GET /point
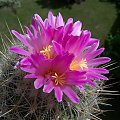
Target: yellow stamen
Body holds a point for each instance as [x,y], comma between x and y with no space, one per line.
[74,65]
[46,51]
[58,79]
[83,64]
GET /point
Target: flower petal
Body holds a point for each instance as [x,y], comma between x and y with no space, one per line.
[99,70]
[25,62]
[61,63]
[28,69]
[30,76]
[96,76]
[77,28]
[59,21]
[21,37]
[71,94]
[94,54]
[19,51]
[75,77]
[92,83]
[93,47]
[25,65]
[51,19]
[38,18]
[38,61]
[58,93]
[92,41]
[99,61]
[69,21]
[48,87]
[38,83]
[57,47]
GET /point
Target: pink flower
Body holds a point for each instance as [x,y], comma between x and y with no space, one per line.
[55,75]
[47,35]
[61,56]
[40,40]
[86,56]
[44,32]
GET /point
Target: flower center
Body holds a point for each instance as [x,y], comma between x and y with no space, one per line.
[58,79]
[46,51]
[75,64]
[83,64]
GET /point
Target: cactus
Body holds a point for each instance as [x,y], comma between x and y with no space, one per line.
[19,100]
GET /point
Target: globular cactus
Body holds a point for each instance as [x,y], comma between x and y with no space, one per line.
[19,100]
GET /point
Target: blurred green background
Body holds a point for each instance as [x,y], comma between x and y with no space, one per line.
[101,17]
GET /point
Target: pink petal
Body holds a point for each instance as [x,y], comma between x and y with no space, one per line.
[81,88]
[58,34]
[35,31]
[77,28]
[48,87]
[57,47]
[33,40]
[91,55]
[34,23]
[66,34]
[38,18]
[58,93]
[25,65]
[38,83]
[19,51]
[40,22]
[21,37]
[99,61]
[77,44]
[39,61]
[30,76]
[99,70]
[29,32]
[92,41]
[69,21]
[76,82]
[67,29]
[72,44]
[46,23]
[84,37]
[51,19]
[75,78]
[97,52]
[71,95]
[93,47]
[25,62]
[91,83]
[28,69]
[59,21]
[61,63]
[96,76]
